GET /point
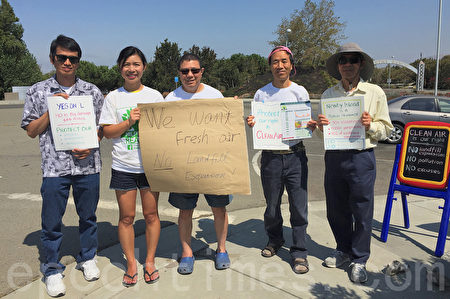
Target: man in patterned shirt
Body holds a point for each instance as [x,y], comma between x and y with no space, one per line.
[79,168]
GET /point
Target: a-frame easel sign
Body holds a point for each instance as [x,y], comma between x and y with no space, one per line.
[422,167]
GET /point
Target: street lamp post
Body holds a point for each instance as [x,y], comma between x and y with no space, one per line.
[287,35]
[438,48]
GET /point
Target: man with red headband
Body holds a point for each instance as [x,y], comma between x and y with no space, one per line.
[285,168]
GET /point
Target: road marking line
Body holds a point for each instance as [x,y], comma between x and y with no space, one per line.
[255,163]
[108,205]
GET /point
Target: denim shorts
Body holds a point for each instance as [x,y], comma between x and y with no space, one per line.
[188,201]
[126,181]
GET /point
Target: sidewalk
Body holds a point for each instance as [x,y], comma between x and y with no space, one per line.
[253,276]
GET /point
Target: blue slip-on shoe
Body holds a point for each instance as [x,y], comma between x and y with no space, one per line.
[222,260]
[186,265]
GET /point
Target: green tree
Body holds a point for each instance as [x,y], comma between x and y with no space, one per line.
[18,65]
[111,79]
[444,72]
[239,69]
[161,72]
[315,33]
[88,71]
[106,79]
[227,73]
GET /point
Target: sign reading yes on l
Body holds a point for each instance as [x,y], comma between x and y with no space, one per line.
[195,146]
[72,122]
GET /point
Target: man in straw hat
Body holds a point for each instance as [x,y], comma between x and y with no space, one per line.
[350,174]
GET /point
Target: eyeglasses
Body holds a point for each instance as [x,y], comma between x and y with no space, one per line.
[186,71]
[63,58]
[351,59]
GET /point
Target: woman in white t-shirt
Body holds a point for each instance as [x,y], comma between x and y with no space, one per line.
[119,119]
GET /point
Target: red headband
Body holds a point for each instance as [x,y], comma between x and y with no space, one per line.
[280,48]
[283,48]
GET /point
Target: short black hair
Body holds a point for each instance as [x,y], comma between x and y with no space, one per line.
[189,57]
[65,42]
[127,52]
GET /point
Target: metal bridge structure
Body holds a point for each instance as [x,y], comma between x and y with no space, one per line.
[420,72]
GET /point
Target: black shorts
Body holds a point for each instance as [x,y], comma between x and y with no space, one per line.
[125,181]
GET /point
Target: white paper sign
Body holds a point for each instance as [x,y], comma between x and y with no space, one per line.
[267,132]
[294,120]
[345,130]
[72,122]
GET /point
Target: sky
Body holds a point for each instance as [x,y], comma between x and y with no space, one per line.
[383,28]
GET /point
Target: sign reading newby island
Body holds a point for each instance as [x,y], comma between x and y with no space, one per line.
[345,130]
[195,146]
[72,122]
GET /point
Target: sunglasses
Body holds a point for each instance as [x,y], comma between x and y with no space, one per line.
[351,59]
[186,71]
[63,58]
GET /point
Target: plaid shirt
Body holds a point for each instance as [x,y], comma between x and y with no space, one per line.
[60,163]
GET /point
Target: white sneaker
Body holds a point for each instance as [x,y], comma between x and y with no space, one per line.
[55,285]
[337,259]
[90,269]
[359,273]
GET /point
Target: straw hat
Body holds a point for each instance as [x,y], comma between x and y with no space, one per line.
[332,62]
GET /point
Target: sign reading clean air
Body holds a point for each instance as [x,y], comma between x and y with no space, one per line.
[425,153]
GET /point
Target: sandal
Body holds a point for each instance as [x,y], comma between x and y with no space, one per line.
[133,280]
[149,275]
[222,260]
[186,265]
[271,249]
[300,265]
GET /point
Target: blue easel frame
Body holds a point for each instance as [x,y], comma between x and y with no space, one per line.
[405,191]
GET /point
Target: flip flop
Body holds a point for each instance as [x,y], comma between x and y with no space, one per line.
[222,260]
[129,284]
[150,280]
[186,265]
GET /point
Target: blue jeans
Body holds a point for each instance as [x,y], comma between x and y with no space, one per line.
[55,192]
[291,171]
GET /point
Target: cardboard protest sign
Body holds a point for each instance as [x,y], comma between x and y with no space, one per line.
[72,122]
[195,146]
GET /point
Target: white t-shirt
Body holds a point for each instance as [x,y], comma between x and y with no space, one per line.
[207,92]
[126,153]
[292,93]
